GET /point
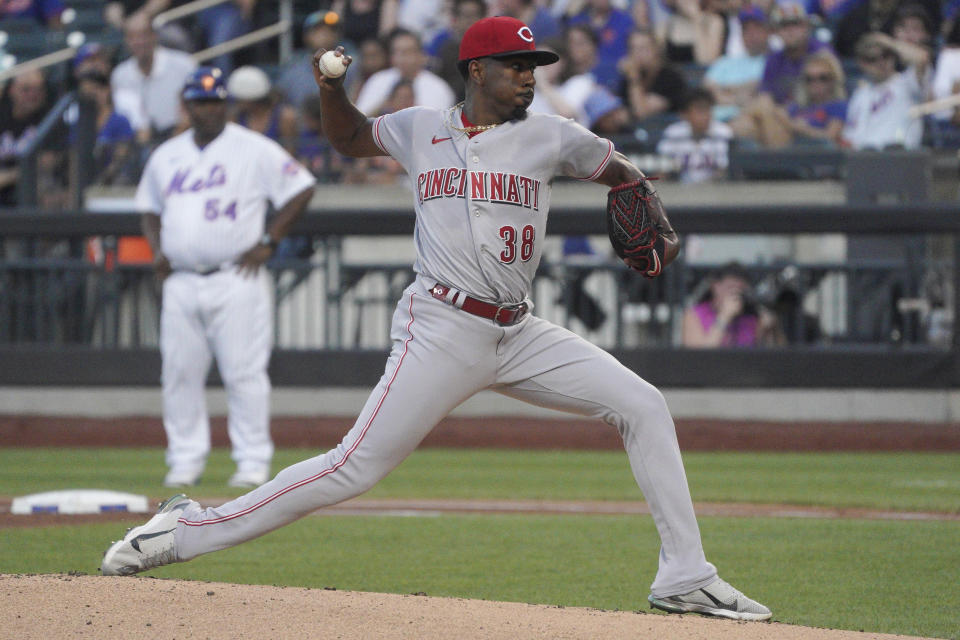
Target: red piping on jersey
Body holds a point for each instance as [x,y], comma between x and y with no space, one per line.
[342,461]
[603,164]
[376,133]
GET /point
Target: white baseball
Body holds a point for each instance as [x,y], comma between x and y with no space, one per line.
[331,65]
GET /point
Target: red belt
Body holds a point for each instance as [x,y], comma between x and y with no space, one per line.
[504,315]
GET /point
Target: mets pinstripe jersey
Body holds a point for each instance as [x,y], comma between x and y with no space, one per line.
[213,201]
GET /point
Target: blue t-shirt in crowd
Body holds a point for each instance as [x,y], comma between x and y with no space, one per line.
[818,115]
[116,129]
[613,37]
[40,10]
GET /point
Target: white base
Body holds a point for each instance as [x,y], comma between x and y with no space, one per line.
[79,501]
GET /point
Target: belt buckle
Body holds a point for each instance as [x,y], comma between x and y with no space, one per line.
[515,310]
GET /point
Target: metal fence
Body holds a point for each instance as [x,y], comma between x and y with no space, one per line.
[336,297]
[325,304]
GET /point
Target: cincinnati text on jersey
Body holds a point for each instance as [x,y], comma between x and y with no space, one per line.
[485,186]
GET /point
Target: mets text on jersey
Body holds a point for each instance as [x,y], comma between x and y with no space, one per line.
[485,186]
[179,184]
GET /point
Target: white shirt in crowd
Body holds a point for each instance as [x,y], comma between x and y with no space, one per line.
[152,100]
[429,90]
[734,47]
[878,114]
[575,91]
[423,17]
[697,159]
[947,74]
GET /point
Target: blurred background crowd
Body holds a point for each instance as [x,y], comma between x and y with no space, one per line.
[681,80]
[685,88]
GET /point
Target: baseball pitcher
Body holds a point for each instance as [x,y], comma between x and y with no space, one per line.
[481,174]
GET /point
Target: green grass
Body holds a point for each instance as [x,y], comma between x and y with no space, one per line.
[902,481]
[881,576]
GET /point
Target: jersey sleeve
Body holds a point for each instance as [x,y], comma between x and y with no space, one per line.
[282,176]
[149,196]
[583,154]
[393,133]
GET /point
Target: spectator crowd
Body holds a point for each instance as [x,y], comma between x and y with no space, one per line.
[688,79]
[682,81]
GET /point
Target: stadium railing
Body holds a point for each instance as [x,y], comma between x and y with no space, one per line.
[65,318]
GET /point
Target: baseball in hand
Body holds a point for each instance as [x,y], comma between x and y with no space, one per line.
[331,65]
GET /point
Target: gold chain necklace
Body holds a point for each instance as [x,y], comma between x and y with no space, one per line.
[471,129]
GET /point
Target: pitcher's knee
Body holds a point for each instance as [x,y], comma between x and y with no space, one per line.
[643,407]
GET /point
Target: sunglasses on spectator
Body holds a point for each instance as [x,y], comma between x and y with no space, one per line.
[821,77]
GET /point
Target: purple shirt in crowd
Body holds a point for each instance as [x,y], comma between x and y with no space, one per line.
[741,332]
[781,73]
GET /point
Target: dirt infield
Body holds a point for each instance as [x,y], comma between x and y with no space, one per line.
[508,432]
[130,608]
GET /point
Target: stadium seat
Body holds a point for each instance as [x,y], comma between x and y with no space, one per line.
[20,25]
[649,130]
[851,70]
[26,39]
[940,134]
[693,73]
[88,19]
[25,46]
[800,162]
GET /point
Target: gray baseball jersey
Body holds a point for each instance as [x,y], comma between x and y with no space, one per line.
[482,201]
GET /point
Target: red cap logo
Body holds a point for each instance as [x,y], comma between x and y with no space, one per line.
[501,36]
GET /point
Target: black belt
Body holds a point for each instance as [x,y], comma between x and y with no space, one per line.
[505,315]
[205,272]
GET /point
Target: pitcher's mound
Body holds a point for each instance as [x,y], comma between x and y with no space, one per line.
[62,606]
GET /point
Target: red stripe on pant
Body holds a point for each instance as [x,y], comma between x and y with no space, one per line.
[336,466]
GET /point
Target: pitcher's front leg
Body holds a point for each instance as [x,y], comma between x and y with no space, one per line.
[421,384]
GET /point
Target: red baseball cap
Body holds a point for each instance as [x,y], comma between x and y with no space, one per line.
[499,37]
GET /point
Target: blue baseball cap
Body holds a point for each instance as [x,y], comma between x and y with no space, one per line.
[205,83]
[87,51]
[600,103]
[752,12]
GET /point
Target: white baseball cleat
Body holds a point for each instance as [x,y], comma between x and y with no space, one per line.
[248,479]
[149,545]
[716,599]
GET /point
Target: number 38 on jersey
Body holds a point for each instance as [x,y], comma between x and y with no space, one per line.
[517,242]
